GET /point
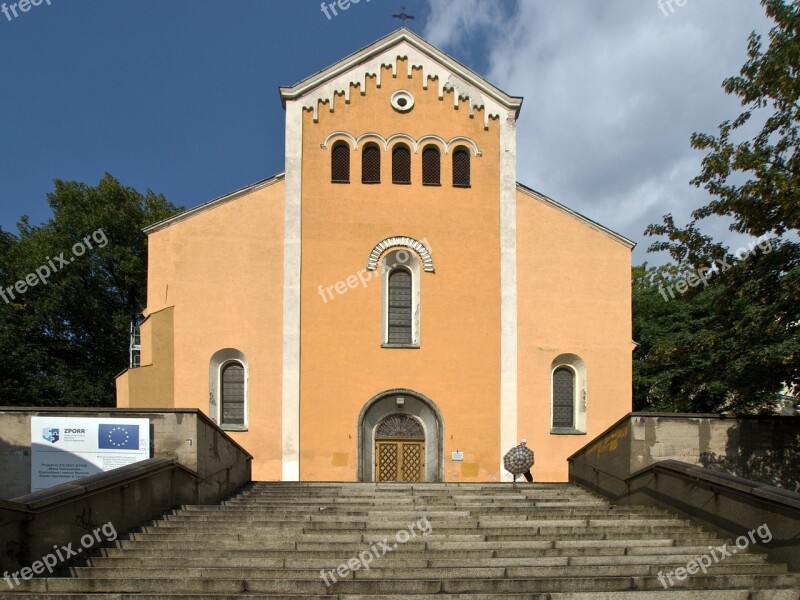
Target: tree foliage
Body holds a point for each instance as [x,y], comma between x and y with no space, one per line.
[735,344]
[764,197]
[65,337]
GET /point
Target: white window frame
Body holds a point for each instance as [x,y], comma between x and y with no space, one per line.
[219,361]
[401,258]
[575,364]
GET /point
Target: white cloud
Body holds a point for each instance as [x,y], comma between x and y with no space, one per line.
[452,24]
[613,90]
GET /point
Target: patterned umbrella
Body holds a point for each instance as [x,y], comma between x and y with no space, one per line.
[518,460]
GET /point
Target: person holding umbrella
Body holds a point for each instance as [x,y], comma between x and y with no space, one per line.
[519,460]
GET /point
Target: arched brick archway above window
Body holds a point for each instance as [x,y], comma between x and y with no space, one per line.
[401,242]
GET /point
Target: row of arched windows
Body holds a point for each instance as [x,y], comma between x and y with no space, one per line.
[401,164]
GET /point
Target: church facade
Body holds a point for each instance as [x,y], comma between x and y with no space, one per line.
[395,306]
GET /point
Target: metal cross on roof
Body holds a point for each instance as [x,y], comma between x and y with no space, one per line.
[403,16]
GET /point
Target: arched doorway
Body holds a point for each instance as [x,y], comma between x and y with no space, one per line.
[405,423]
[399,449]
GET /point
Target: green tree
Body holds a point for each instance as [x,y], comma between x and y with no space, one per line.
[755,182]
[670,327]
[64,341]
[712,348]
[749,341]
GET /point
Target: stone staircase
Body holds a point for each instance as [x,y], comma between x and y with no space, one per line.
[467,541]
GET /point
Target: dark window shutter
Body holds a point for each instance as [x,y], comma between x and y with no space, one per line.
[400,303]
[371,164]
[340,163]
[401,164]
[461,174]
[563,398]
[233,394]
[431,166]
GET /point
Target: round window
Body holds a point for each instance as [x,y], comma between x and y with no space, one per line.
[402,100]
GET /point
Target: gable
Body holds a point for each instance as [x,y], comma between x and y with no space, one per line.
[438,70]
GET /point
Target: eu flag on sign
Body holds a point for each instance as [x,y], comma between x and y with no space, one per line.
[118,437]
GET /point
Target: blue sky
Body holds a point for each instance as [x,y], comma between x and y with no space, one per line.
[181,96]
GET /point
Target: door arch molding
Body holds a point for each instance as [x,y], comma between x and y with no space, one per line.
[385,404]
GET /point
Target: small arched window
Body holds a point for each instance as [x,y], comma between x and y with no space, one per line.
[399,427]
[461,169]
[340,163]
[401,164]
[371,164]
[400,314]
[564,398]
[431,166]
[232,395]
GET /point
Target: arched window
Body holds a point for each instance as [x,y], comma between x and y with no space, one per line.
[400,297]
[340,163]
[461,170]
[569,395]
[227,389]
[431,166]
[399,426]
[401,164]
[232,394]
[564,398]
[400,307]
[371,164]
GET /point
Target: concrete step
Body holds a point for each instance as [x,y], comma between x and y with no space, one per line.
[433,517]
[406,586]
[432,541]
[437,516]
[199,512]
[439,526]
[766,594]
[346,551]
[335,512]
[382,571]
[400,561]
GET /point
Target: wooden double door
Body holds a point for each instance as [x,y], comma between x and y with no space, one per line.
[399,460]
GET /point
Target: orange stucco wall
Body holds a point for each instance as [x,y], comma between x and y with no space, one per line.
[222,271]
[342,362]
[151,386]
[574,297]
